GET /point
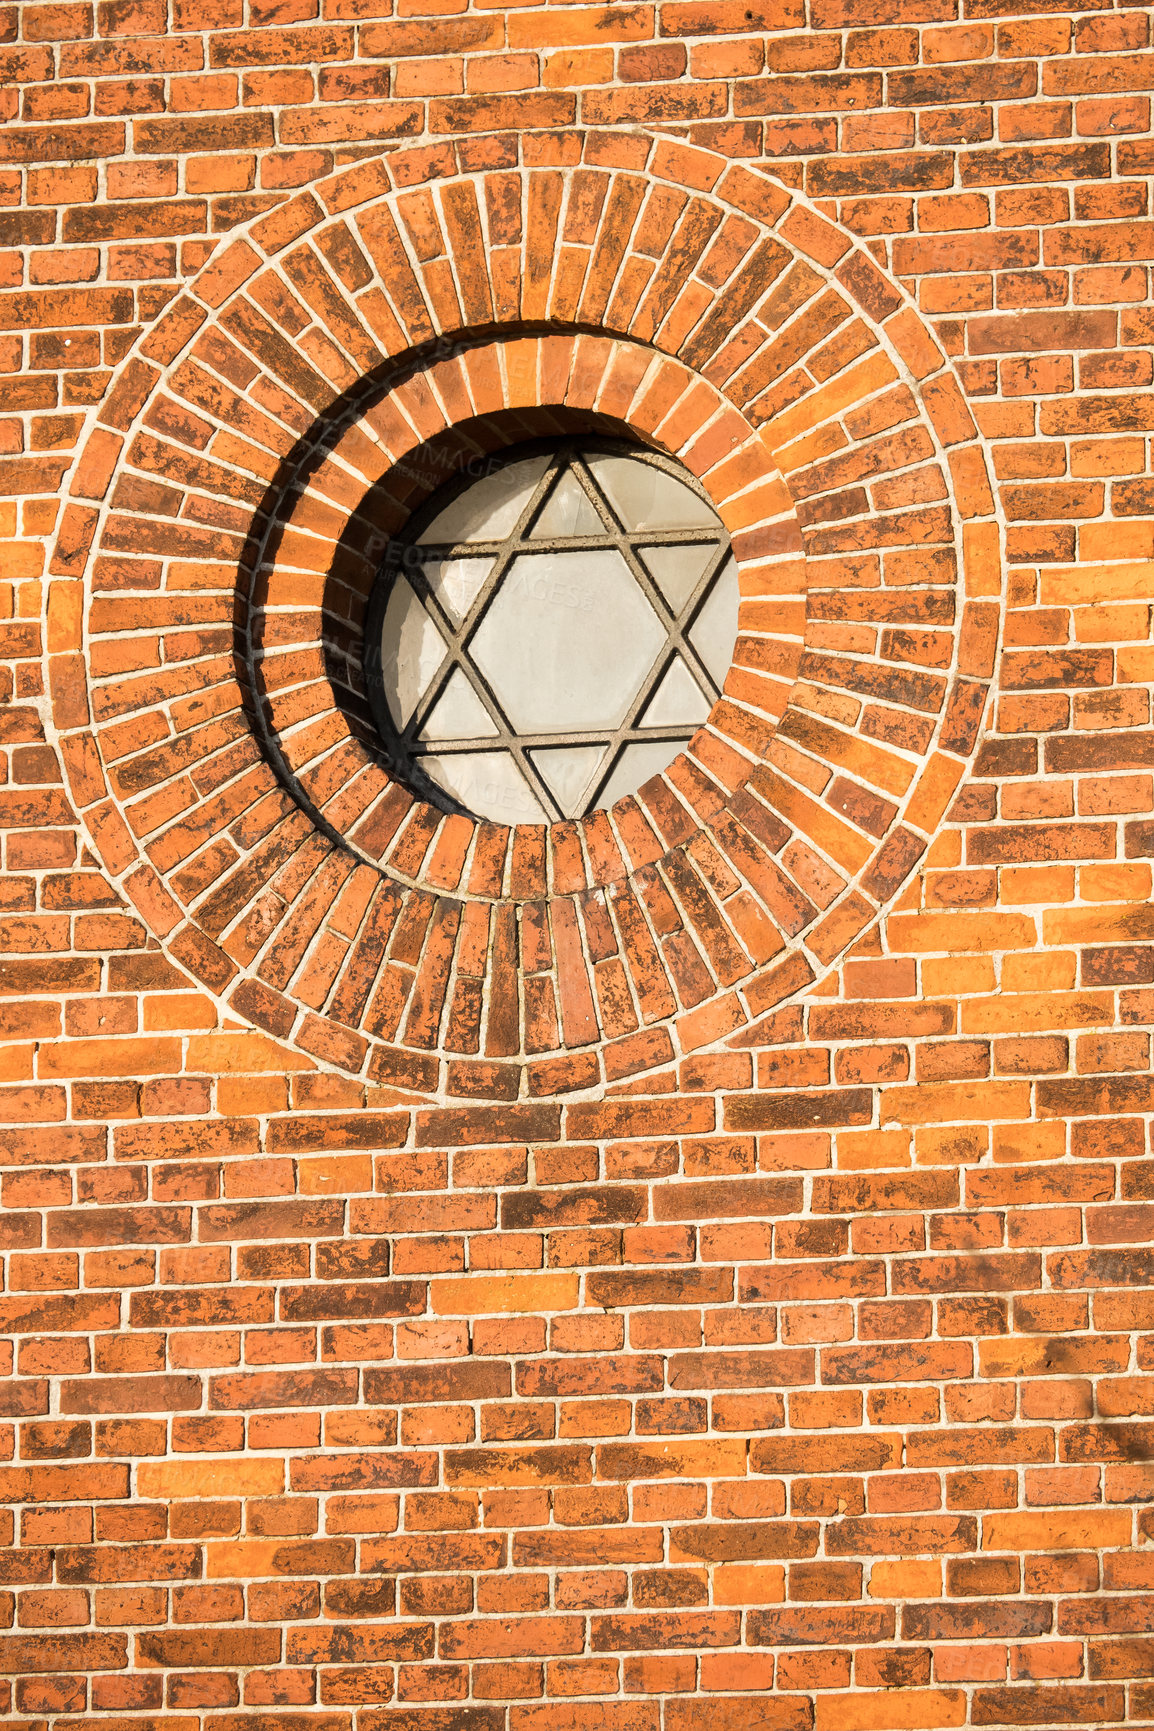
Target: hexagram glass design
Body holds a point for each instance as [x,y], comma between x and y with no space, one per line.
[546,636]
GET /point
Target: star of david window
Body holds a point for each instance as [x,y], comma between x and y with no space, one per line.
[547,634]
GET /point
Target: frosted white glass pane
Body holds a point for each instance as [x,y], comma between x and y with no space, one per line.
[714,630]
[635,765]
[567,641]
[678,699]
[456,583]
[567,511]
[488,508]
[412,649]
[458,713]
[677,570]
[487,783]
[645,497]
[567,773]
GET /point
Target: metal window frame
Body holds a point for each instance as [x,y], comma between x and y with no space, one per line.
[406,556]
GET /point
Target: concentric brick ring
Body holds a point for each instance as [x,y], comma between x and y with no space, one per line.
[321,553]
[228,511]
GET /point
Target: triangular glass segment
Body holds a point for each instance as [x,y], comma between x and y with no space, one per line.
[646,497]
[567,772]
[714,631]
[488,508]
[678,700]
[487,783]
[567,511]
[635,765]
[456,583]
[412,649]
[678,570]
[458,713]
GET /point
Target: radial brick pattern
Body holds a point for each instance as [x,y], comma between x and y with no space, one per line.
[744,336]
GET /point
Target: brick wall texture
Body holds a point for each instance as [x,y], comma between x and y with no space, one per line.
[684,1269]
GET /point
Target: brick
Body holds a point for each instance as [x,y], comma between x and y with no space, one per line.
[198,1478]
[484,1295]
[913,1707]
[42,1652]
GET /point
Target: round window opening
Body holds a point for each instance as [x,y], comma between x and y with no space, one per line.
[550,629]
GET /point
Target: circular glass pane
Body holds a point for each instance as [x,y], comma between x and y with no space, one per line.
[548,634]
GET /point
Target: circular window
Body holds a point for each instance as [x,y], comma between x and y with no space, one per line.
[548,632]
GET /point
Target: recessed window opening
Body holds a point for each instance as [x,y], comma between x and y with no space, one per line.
[550,630]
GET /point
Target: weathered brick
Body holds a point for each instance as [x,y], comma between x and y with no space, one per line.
[435,1174]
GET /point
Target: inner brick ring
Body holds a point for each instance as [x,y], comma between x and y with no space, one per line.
[322,552]
[235,795]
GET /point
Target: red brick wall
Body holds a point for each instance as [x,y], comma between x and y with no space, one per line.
[681,1269]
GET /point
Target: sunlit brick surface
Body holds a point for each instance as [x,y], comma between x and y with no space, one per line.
[684,1268]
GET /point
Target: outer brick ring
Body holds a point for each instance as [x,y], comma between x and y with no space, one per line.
[226,516]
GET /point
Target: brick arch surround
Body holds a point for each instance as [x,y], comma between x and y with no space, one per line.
[232,500]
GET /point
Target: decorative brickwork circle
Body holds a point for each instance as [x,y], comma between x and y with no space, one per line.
[281,420]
